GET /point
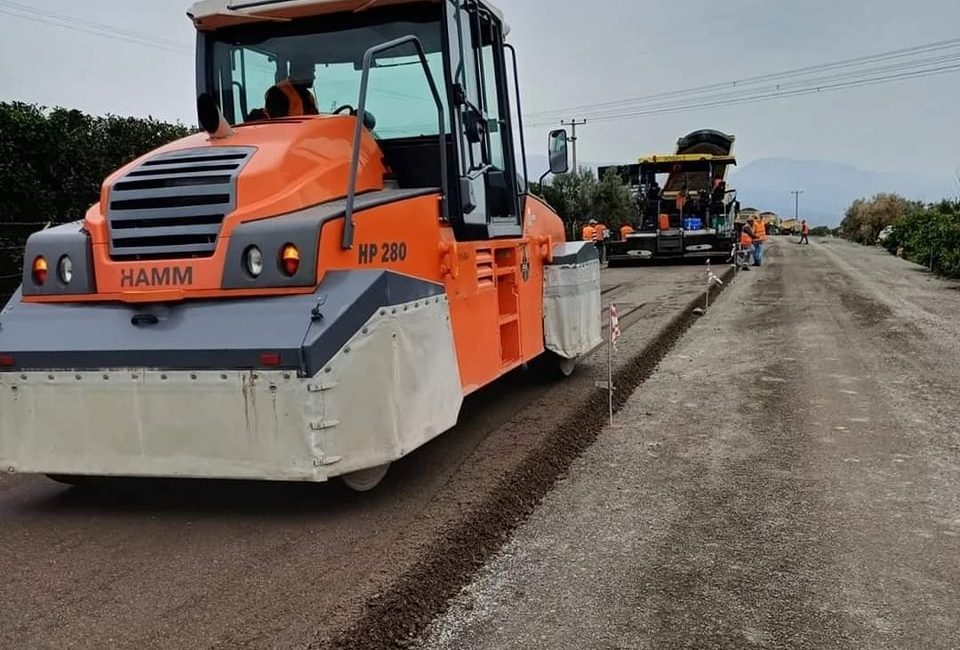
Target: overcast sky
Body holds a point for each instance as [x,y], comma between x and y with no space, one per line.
[572,53]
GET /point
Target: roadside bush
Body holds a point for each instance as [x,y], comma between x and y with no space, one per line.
[52,163]
[865,218]
[930,235]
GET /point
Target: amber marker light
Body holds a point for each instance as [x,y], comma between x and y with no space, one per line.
[290,260]
[40,270]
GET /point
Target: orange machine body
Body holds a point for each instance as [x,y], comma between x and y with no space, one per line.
[494,287]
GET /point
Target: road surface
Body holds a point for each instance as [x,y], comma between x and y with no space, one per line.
[223,565]
[788,478]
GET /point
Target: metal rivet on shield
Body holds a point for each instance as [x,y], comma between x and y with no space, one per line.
[193,377]
[366,330]
[163,377]
[79,378]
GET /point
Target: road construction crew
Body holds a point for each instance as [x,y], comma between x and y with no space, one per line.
[293,97]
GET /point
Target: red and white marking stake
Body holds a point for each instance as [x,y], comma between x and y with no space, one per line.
[614,335]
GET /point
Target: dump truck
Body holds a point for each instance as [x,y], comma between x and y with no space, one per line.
[310,286]
[685,209]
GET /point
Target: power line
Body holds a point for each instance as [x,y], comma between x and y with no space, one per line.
[785,89]
[812,88]
[91,27]
[890,55]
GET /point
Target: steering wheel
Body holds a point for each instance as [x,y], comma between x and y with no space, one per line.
[369,120]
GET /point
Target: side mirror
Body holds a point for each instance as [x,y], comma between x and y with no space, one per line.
[559,158]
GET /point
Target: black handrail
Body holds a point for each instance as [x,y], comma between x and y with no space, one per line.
[523,141]
[358,132]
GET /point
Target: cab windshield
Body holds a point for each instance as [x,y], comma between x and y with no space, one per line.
[257,71]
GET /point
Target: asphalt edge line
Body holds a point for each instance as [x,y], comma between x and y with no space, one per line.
[399,616]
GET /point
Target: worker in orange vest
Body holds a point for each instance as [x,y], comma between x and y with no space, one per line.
[590,231]
[804,233]
[625,231]
[292,97]
[759,239]
[747,240]
[600,237]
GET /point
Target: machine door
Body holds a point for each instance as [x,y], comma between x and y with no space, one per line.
[488,205]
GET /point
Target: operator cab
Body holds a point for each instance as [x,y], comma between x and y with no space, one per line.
[249,49]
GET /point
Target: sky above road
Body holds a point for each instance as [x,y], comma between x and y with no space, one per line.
[574,53]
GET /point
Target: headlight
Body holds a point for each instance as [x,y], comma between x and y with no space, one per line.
[253,260]
[65,269]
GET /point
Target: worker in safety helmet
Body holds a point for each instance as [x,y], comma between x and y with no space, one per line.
[293,97]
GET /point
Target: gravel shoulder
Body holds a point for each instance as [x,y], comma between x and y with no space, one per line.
[788,478]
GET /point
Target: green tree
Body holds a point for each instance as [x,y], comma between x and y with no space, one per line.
[930,235]
[52,164]
[612,202]
[571,195]
[865,218]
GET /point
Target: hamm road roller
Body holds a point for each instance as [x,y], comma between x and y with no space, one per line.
[309,286]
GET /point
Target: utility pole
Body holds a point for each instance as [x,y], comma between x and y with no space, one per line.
[573,138]
[796,209]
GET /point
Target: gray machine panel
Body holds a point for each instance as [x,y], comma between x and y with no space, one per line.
[173,204]
[301,229]
[70,239]
[306,330]
[577,252]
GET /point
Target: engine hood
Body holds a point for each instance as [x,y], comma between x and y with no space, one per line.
[292,164]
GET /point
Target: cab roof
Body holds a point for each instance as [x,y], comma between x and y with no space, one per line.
[209,15]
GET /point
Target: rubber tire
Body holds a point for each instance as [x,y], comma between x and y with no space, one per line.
[365,480]
[561,367]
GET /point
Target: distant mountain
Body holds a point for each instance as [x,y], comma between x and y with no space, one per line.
[828,187]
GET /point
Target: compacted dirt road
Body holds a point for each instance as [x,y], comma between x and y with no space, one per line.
[223,565]
[788,478]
